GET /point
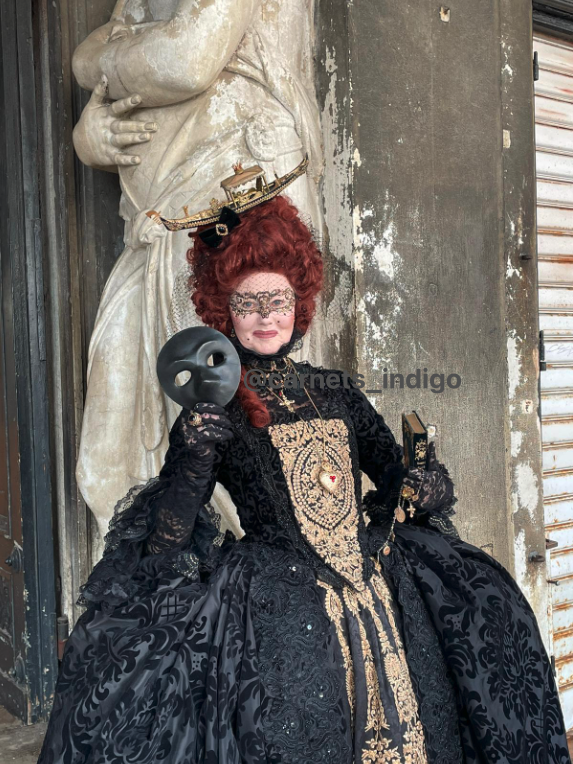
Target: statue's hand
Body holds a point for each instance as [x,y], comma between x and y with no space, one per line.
[104,132]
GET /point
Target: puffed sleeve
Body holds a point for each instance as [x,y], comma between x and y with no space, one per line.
[380,455]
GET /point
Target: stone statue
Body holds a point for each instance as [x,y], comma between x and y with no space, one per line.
[182,90]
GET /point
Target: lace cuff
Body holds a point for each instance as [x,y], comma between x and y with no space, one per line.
[125,571]
[439,517]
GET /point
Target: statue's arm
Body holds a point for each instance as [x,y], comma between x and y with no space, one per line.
[106,134]
[169,61]
[88,53]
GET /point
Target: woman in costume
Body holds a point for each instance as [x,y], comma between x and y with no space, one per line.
[338,629]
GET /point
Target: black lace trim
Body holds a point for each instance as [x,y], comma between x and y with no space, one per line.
[440,517]
[125,571]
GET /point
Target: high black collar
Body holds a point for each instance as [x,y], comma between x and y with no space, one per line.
[263,361]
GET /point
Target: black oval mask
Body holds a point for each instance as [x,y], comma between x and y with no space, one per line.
[190,350]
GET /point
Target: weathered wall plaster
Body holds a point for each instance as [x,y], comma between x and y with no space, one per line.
[524,451]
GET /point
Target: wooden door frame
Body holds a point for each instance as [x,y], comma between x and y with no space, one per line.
[21,230]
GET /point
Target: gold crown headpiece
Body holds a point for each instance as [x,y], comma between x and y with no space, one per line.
[239,199]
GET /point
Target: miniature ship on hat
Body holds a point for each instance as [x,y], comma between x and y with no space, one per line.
[239,199]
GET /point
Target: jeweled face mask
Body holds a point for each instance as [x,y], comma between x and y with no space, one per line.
[264,303]
[263,308]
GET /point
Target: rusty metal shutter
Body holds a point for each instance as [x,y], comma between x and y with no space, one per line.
[554,150]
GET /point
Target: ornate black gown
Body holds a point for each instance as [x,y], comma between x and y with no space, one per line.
[296,644]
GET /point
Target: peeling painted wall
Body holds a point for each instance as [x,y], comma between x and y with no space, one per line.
[428,195]
[526,512]
[334,99]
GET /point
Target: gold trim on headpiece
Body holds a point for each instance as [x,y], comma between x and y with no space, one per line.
[238,200]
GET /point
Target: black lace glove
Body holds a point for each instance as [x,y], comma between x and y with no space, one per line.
[201,439]
[191,475]
[434,491]
[433,487]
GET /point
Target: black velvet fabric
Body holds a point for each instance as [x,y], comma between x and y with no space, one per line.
[506,691]
[222,651]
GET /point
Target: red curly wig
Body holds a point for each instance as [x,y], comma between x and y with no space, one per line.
[270,237]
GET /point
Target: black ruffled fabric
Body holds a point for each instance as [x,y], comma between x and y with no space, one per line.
[179,498]
[125,571]
[111,580]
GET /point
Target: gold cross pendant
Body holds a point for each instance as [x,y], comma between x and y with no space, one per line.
[286,402]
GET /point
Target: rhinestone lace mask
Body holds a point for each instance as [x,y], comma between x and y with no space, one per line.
[263,308]
[262,298]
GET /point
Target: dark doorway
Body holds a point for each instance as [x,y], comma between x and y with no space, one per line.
[28,657]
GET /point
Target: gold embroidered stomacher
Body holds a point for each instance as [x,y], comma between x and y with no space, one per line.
[329,521]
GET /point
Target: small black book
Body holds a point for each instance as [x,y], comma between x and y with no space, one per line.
[415,441]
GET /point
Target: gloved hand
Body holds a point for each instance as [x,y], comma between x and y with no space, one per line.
[189,471]
[215,427]
[433,487]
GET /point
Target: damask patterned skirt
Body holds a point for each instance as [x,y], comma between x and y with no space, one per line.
[262,664]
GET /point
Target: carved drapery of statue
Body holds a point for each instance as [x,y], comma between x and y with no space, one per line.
[224,81]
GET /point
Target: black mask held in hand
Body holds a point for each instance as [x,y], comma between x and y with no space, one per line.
[210,359]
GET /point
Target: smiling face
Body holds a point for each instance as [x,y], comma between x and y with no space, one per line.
[263,312]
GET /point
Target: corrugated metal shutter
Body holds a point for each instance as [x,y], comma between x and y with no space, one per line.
[554,148]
